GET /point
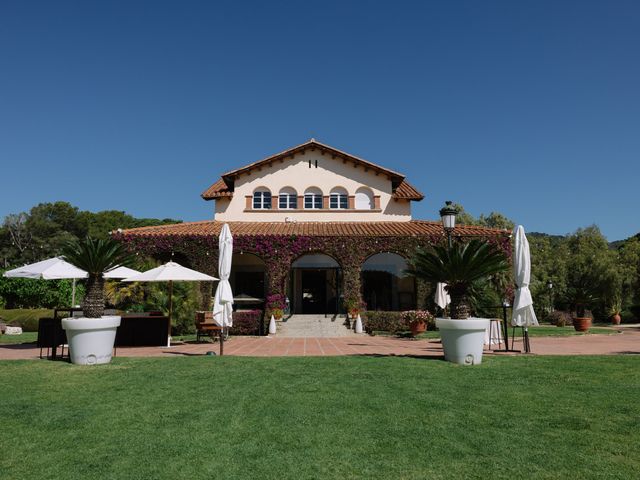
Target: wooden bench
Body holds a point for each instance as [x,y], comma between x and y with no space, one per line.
[205,326]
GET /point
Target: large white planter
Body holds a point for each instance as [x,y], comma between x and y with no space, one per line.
[91,339]
[463,340]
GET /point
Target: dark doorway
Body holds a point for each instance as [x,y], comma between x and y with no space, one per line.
[314,291]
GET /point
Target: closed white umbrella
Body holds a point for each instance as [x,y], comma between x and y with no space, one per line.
[442,297]
[223,298]
[120,272]
[523,313]
[170,272]
[56,268]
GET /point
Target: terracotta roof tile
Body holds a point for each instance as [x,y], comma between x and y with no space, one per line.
[407,191]
[217,190]
[352,229]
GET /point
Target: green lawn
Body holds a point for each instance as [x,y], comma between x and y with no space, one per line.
[332,417]
[541,331]
[26,337]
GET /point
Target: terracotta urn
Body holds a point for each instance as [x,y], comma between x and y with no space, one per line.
[582,324]
[615,319]
[418,327]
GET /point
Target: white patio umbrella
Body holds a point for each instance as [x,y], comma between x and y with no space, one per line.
[223,298]
[170,272]
[442,298]
[56,268]
[523,313]
[120,272]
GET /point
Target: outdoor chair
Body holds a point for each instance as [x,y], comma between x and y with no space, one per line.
[51,336]
[205,326]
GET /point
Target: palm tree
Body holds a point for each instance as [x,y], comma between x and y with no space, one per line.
[96,256]
[459,266]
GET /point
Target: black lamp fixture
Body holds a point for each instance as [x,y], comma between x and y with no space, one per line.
[448,215]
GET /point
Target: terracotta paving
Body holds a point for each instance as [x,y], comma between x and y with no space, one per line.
[626,342]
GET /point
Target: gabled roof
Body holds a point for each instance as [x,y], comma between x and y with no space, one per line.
[322,229]
[224,186]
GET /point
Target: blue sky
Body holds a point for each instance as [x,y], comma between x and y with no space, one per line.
[527,108]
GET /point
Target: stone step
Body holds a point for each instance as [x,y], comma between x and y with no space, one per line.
[314,326]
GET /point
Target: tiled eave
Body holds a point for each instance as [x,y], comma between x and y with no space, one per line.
[323,229]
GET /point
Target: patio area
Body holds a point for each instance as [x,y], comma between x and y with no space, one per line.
[626,342]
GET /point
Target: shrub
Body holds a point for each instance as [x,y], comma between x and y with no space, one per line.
[391,322]
[635,310]
[411,316]
[247,323]
[559,318]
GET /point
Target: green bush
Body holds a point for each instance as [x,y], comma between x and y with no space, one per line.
[392,322]
[31,293]
[25,318]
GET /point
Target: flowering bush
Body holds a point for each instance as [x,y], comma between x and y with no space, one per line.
[276,304]
[417,316]
[246,323]
[355,307]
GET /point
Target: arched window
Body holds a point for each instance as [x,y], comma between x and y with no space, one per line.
[261,199]
[313,198]
[287,199]
[338,198]
[385,285]
[364,199]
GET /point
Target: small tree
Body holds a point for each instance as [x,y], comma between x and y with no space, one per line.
[96,256]
[459,267]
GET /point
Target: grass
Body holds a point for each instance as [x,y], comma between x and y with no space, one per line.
[541,331]
[27,318]
[26,337]
[331,417]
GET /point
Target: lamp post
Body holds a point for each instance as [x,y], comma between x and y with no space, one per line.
[550,290]
[448,215]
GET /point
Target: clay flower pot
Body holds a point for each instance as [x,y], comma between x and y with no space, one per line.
[582,324]
[418,327]
[615,319]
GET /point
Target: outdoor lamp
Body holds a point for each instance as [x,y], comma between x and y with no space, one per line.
[549,284]
[448,214]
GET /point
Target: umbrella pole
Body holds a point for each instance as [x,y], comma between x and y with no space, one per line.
[170,312]
[73,293]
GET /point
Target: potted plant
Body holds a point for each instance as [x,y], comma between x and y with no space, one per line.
[459,266]
[418,320]
[582,297]
[92,336]
[615,309]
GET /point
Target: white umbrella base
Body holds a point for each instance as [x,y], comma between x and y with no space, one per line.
[463,340]
[91,339]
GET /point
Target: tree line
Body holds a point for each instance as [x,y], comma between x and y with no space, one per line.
[581,268]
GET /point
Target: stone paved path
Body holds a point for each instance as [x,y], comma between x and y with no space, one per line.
[627,342]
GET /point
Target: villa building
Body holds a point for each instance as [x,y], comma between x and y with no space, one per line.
[316,224]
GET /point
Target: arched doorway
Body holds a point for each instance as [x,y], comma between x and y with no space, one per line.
[315,284]
[385,286]
[247,278]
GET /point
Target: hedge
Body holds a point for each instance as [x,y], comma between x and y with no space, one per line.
[392,322]
[247,323]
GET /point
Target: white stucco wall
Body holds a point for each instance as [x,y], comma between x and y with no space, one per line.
[295,173]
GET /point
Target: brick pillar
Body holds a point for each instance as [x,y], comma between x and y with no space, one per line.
[274,202]
[301,201]
[376,202]
[352,202]
[248,202]
[325,202]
